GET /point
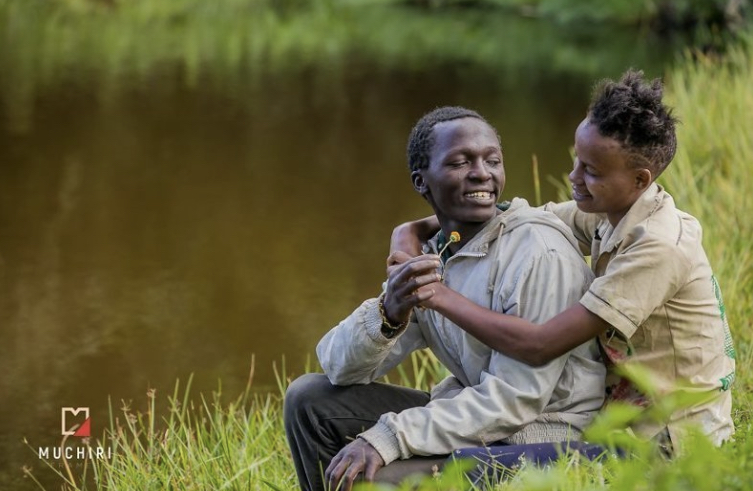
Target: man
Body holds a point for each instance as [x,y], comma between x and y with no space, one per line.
[510,259]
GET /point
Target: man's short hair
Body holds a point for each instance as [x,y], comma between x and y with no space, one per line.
[632,112]
[422,137]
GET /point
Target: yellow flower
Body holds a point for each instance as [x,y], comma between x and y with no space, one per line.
[454,237]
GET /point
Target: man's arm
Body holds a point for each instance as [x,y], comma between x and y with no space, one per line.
[357,351]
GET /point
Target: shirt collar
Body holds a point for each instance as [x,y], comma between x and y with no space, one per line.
[479,244]
[644,207]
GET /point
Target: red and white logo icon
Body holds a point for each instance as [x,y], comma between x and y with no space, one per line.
[83,430]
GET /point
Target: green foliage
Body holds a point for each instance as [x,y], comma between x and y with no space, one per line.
[48,42]
[624,11]
[664,14]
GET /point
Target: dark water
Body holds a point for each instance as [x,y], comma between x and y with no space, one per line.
[167,224]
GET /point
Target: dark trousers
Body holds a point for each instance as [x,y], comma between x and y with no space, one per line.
[321,418]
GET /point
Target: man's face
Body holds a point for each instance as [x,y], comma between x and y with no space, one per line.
[602,179]
[465,174]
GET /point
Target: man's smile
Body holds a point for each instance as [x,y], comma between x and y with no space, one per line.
[481,196]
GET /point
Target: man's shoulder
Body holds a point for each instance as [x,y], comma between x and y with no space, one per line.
[519,212]
[538,227]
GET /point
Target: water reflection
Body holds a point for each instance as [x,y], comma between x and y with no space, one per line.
[167,217]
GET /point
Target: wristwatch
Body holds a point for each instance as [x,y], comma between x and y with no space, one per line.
[389,330]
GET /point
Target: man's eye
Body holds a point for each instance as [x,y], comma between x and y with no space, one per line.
[494,162]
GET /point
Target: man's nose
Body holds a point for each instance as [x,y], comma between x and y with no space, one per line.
[479,170]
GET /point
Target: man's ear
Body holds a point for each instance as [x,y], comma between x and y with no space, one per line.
[643,178]
[418,182]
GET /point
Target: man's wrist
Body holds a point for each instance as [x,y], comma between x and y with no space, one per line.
[384,441]
[389,328]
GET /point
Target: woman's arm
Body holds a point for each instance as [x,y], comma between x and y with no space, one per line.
[533,344]
[409,237]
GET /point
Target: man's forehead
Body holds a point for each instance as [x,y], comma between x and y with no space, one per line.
[468,121]
[470,131]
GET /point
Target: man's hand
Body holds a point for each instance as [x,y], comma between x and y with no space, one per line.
[356,457]
[404,286]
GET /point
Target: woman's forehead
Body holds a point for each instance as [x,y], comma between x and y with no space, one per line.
[589,139]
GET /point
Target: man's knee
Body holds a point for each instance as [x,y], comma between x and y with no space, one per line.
[304,391]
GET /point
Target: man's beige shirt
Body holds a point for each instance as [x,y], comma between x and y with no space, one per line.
[654,285]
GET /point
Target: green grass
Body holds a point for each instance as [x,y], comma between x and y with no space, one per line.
[212,444]
[196,444]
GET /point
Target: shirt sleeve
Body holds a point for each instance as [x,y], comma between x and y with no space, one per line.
[510,394]
[644,274]
[356,352]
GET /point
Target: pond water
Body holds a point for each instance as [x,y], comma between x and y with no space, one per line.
[161,218]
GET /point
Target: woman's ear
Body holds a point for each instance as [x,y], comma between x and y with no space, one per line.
[643,178]
[418,182]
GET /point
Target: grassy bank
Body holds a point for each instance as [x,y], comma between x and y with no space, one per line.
[216,444]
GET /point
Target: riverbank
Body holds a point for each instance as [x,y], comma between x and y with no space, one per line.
[216,444]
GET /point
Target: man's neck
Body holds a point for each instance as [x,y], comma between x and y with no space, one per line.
[467,231]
